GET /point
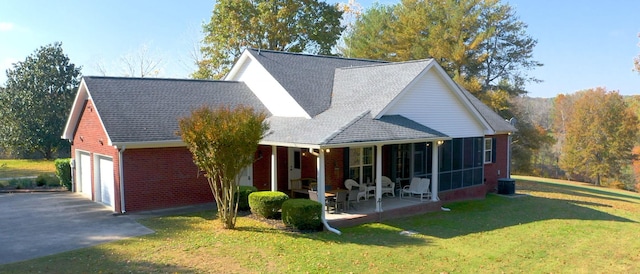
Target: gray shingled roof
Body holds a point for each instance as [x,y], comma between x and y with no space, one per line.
[358,94]
[146,109]
[308,78]
[495,121]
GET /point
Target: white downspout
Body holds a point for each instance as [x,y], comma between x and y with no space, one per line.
[121,170]
[274,168]
[321,189]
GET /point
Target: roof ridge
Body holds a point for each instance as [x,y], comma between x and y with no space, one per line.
[387,64]
[157,79]
[316,55]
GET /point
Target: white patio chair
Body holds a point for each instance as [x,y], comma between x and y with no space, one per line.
[418,186]
[388,186]
[349,183]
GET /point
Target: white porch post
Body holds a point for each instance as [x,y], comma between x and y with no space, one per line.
[378,178]
[274,168]
[434,170]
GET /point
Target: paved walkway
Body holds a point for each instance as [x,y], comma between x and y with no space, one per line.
[44,223]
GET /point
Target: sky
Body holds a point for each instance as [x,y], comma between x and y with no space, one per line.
[582,44]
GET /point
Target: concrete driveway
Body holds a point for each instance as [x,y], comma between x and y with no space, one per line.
[38,224]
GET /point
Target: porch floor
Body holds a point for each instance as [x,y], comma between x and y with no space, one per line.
[392,207]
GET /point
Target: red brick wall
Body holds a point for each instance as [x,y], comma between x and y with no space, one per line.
[161,178]
[472,192]
[497,170]
[262,168]
[334,168]
[90,137]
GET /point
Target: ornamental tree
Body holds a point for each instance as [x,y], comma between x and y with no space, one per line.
[223,142]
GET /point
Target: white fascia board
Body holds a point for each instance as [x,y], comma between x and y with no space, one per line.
[76,110]
[285,144]
[392,142]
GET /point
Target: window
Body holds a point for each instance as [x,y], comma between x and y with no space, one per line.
[361,164]
[488,150]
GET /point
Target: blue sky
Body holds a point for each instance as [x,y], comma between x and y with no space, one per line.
[583,44]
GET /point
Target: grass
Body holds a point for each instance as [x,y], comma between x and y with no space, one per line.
[10,168]
[554,228]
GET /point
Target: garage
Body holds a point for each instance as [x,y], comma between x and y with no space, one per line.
[105,181]
[84,170]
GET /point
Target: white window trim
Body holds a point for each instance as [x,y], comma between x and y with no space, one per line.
[488,149]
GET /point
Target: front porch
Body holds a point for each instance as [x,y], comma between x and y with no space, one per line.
[392,207]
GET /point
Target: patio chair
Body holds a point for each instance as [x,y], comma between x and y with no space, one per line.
[388,186]
[338,202]
[352,197]
[418,186]
[362,193]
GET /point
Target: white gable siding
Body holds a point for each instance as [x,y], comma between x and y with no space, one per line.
[429,101]
[268,90]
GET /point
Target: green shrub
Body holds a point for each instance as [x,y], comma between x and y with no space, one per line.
[20,183]
[243,199]
[267,203]
[47,180]
[63,171]
[303,214]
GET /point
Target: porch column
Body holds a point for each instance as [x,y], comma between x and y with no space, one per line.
[378,178]
[435,173]
[274,168]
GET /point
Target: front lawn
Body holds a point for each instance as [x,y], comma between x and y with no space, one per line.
[554,228]
[14,168]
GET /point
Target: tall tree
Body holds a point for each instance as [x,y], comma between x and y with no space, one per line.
[636,61]
[36,101]
[600,135]
[286,25]
[223,142]
[480,43]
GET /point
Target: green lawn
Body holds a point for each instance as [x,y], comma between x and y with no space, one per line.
[554,228]
[10,168]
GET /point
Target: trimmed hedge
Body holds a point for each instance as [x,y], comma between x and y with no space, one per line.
[63,171]
[267,203]
[243,199]
[303,214]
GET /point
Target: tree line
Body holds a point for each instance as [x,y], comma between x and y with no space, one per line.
[481,44]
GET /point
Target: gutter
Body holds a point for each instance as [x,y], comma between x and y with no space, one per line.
[121,170]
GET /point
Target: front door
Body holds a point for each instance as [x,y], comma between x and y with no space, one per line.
[295,163]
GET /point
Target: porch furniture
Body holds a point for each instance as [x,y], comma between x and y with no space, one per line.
[362,193]
[352,197]
[388,186]
[418,186]
[338,202]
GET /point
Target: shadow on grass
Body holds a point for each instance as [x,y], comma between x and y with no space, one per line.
[497,212]
[580,190]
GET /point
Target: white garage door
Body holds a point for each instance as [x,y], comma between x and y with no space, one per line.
[105,184]
[85,175]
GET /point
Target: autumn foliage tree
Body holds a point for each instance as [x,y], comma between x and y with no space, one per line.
[600,134]
[310,26]
[223,142]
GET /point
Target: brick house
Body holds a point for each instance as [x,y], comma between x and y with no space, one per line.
[331,119]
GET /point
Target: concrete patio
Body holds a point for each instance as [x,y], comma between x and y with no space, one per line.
[393,207]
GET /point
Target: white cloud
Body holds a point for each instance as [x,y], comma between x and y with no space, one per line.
[6,26]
